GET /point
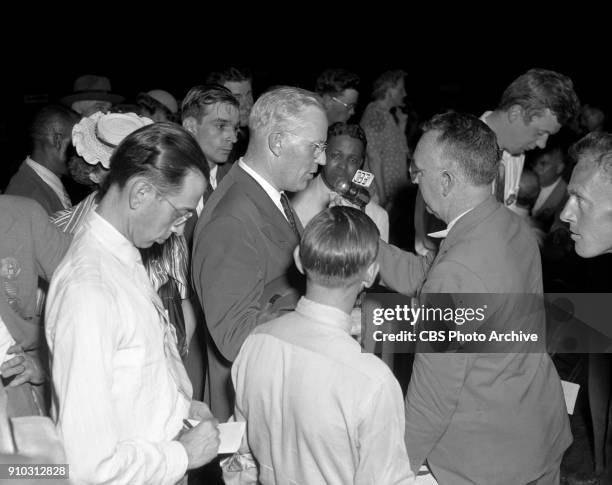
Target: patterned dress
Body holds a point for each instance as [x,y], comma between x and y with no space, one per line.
[388,141]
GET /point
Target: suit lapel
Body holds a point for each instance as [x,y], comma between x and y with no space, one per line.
[265,205]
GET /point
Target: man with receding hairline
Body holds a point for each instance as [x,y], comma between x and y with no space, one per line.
[247,231]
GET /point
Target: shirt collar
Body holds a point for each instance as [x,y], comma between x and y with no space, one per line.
[444,233]
[325,314]
[213,176]
[113,240]
[274,194]
[51,180]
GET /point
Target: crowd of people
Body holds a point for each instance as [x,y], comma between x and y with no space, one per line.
[204,258]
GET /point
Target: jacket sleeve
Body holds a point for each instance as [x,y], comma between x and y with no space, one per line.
[228,277]
[402,271]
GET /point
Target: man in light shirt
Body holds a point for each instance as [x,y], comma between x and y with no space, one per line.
[317,409]
[245,236]
[39,175]
[121,392]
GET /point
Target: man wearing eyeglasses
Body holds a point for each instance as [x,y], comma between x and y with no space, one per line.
[121,391]
[243,242]
[338,88]
[494,418]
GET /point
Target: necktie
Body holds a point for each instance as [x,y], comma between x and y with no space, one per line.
[289,214]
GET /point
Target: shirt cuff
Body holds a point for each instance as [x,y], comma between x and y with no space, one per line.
[176,460]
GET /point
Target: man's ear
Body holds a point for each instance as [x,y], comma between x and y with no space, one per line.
[370,274]
[448,182]
[275,143]
[298,260]
[190,124]
[139,191]
[515,113]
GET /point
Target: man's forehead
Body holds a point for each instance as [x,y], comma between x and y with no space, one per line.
[223,111]
[546,121]
[238,86]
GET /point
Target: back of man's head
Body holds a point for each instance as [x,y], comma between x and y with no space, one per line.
[541,89]
[337,246]
[279,109]
[52,120]
[469,144]
[162,152]
[201,97]
[334,81]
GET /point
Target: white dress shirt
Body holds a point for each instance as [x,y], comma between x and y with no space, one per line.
[52,181]
[274,194]
[117,405]
[318,410]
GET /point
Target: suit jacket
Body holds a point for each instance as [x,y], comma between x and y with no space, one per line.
[494,419]
[222,171]
[27,183]
[241,269]
[545,215]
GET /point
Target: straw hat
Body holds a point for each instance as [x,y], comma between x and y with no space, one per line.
[96,137]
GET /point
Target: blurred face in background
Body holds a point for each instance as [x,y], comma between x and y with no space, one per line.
[243,91]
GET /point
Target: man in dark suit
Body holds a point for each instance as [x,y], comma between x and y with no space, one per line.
[243,241]
[39,175]
[549,166]
[588,212]
[498,419]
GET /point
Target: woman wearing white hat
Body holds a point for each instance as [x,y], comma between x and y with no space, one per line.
[95,139]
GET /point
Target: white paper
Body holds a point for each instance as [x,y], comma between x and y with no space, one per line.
[6,341]
[425,477]
[570,392]
[230,435]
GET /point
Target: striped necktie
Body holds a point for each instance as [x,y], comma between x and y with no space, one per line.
[289,214]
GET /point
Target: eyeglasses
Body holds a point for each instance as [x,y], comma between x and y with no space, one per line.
[415,172]
[181,217]
[318,147]
[348,106]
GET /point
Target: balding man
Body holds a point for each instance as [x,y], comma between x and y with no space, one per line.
[498,419]
[39,175]
[244,239]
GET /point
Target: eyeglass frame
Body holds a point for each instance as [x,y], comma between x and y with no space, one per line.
[181,219]
[347,106]
[414,171]
[319,147]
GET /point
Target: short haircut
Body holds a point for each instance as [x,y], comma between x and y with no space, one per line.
[597,145]
[229,75]
[469,143]
[337,245]
[162,152]
[200,97]
[385,81]
[349,129]
[334,81]
[279,109]
[51,118]
[541,89]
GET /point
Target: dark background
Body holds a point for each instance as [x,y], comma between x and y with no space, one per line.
[449,64]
